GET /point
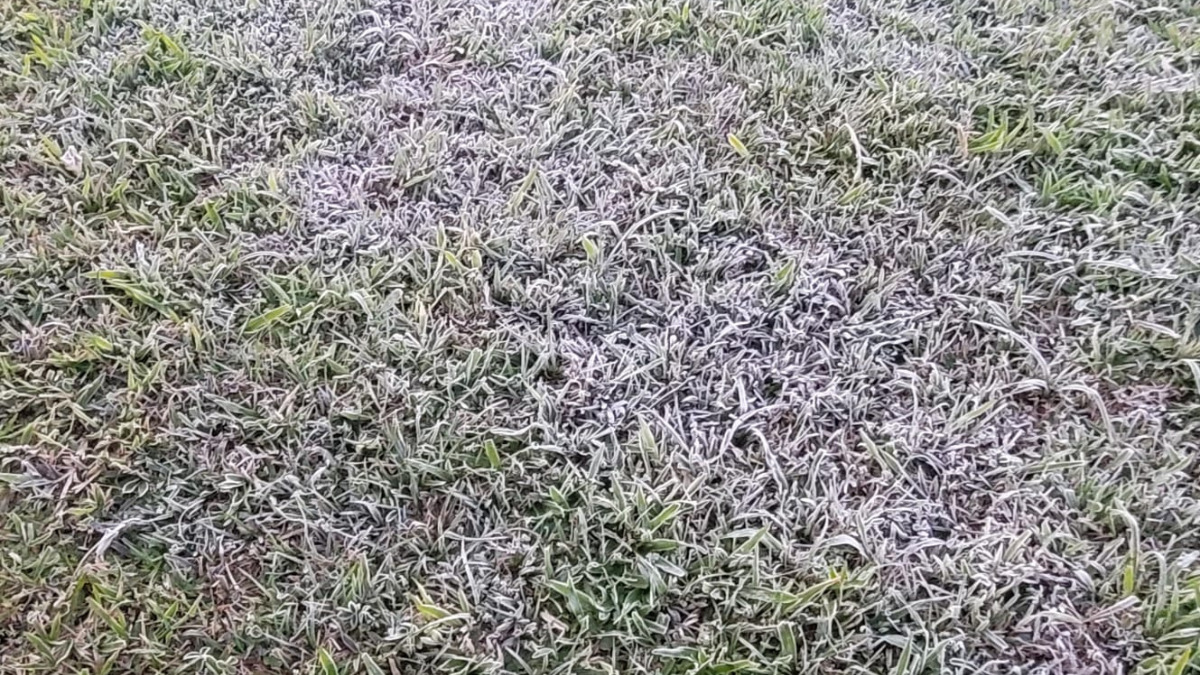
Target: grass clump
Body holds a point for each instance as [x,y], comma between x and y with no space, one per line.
[767,336]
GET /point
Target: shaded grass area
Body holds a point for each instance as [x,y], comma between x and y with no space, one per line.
[539,337]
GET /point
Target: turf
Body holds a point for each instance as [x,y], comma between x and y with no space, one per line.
[586,336]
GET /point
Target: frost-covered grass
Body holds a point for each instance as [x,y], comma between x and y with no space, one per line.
[587,336]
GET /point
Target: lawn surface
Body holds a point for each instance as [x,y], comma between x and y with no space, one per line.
[588,336]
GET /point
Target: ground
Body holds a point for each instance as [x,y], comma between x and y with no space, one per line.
[590,336]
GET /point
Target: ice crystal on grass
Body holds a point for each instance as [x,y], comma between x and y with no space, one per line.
[564,337]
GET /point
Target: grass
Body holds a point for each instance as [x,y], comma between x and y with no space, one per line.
[757,336]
